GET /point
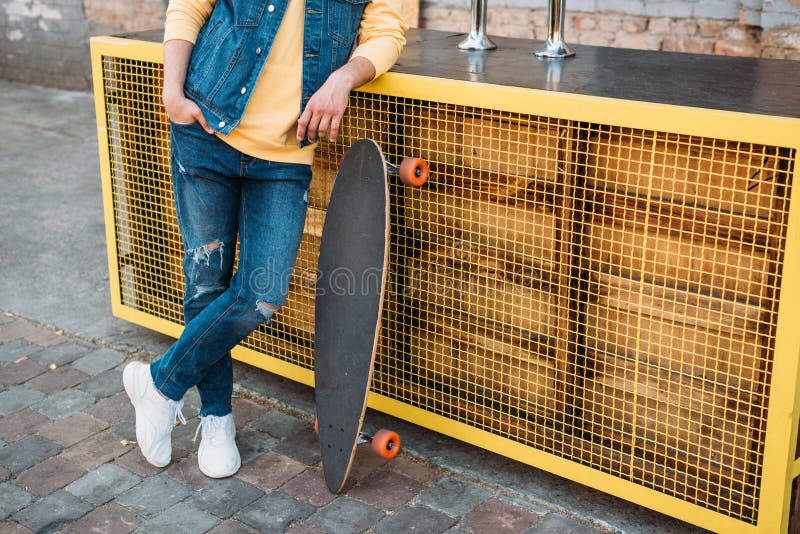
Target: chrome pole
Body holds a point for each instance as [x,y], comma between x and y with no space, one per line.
[477,38]
[554,47]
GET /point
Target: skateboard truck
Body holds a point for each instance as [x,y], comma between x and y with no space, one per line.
[412,171]
[384,443]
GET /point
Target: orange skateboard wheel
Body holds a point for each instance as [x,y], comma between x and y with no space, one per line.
[316,426]
[386,443]
[413,171]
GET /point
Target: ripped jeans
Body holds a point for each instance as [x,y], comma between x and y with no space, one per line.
[219,193]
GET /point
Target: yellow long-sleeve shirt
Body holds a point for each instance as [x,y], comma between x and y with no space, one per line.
[267,129]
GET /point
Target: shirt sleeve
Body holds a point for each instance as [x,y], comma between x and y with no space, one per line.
[185,18]
[381,35]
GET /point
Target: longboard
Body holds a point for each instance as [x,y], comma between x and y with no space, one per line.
[351,280]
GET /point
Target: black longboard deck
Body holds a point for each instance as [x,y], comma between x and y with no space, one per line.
[350,286]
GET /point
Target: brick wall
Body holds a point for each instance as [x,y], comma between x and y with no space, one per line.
[46,42]
[707,27]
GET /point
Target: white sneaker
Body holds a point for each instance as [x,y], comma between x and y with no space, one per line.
[155,415]
[218,456]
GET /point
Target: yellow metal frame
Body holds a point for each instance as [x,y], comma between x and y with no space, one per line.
[780,467]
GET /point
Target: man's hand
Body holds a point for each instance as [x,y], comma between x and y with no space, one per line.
[180,109]
[322,115]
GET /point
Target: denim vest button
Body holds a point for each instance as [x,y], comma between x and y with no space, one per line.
[222,124]
[271,8]
[244,90]
[258,51]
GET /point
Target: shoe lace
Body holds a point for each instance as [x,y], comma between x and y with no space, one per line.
[214,428]
[179,412]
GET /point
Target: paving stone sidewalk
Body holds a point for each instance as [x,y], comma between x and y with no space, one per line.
[68,463]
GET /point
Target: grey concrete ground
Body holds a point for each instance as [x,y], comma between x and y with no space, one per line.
[54,283]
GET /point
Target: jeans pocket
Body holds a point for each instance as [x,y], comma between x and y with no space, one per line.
[186,140]
[173,124]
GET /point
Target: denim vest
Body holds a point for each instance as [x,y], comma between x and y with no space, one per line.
[235,42]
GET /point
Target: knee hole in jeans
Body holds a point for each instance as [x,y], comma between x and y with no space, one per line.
[202,257]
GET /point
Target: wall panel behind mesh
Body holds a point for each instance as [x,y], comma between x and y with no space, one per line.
[603,294]
[681,253]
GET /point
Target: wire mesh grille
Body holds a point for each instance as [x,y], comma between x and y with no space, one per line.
[604,294]
[148,242]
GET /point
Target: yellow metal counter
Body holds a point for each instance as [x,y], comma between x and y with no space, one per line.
[599,279]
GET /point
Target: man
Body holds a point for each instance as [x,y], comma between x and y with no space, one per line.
[249,87]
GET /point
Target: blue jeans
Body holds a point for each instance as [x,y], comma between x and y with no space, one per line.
[219,193]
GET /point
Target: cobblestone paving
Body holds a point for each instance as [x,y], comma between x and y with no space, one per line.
[68,464]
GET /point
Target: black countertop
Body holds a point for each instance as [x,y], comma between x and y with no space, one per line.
[747,85]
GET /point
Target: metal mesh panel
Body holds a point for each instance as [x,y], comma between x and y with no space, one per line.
[148,242]
[481,259]
[603,294]
[680,253]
